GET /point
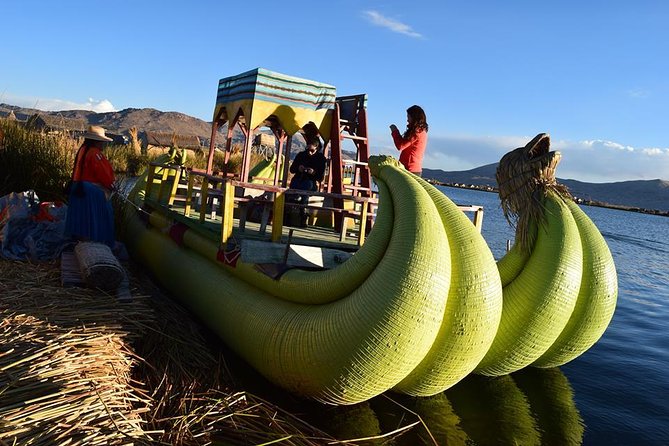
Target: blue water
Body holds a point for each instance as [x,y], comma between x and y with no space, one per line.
[617,393]
[621,385]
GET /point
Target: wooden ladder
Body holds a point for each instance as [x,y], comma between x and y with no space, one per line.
[349,122]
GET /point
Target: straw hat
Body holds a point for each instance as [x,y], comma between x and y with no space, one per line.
[96,133]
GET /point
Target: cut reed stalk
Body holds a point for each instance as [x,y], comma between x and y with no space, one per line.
[78,367]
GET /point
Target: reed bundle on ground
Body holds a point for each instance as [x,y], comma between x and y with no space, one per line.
[66,364]
[78,367]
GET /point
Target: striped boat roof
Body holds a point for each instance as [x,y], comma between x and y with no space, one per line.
[275,87]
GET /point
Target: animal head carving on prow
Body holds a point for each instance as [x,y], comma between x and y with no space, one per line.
[524,176]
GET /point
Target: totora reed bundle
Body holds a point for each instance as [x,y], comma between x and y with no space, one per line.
[77,367]
[65,364]
[524,177]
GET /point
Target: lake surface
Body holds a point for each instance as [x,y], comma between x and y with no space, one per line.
[617,393]
[620,387]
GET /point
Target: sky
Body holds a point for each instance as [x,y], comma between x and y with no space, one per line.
[490,74]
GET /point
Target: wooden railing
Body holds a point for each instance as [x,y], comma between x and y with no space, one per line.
[224,189]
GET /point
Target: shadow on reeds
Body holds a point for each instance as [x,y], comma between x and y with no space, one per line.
[65,364]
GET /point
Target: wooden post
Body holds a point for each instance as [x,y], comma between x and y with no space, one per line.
[227,210]
[203,199]
[212,142]
[246,159]
[175,185]
[212,145]
[189,194]
[228,142]
[363,223]
[344,224]
[363,149]
[287,251]
[163,183]
[280,139]
[478,219]
[286,161]
[149,182]
[277,219]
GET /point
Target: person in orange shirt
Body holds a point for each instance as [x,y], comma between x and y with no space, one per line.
[413,142]
[90,216]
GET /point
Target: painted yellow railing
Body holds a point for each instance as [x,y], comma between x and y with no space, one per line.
[209,187]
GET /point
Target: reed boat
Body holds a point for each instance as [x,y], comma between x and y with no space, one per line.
[390,285]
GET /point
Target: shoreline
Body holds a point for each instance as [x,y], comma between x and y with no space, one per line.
[578,200]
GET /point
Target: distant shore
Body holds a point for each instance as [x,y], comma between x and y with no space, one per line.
[576,199]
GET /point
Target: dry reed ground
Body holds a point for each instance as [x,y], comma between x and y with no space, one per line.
[78,367]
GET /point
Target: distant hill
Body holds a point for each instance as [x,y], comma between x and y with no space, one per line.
[651,194]
[145,119]
[645,194]
[480,176]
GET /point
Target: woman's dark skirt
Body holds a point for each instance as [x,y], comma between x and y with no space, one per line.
[90,215]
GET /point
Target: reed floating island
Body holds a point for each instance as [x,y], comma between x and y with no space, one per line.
[410,298]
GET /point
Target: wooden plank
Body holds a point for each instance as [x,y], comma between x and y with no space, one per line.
[227,208]
[175,186]
[203,199]
[300,256]
[277,224]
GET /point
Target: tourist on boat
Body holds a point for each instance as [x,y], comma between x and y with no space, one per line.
[89,214]
[308,169]
[412,143]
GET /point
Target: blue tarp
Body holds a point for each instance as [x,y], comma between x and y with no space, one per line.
[30,230]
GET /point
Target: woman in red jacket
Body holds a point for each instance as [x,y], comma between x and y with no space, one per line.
[414,140]
[90,216]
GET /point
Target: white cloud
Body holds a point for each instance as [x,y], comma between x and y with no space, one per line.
[615,145]
[597,161]
[638,93]
[50,104]
[378,19]
[654,151]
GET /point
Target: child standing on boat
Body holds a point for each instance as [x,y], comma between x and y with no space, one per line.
[413,142]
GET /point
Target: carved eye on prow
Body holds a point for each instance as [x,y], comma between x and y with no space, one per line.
[540,145]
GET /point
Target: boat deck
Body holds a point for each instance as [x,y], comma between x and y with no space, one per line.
[210,228]
[219,208]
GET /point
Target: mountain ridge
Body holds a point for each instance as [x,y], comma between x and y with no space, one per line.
[645,194]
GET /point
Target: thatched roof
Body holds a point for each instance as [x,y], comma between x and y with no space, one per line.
[167,139]
[54,122]
[264,139]
[8,116]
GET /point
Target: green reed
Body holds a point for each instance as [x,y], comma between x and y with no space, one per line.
[34,160]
